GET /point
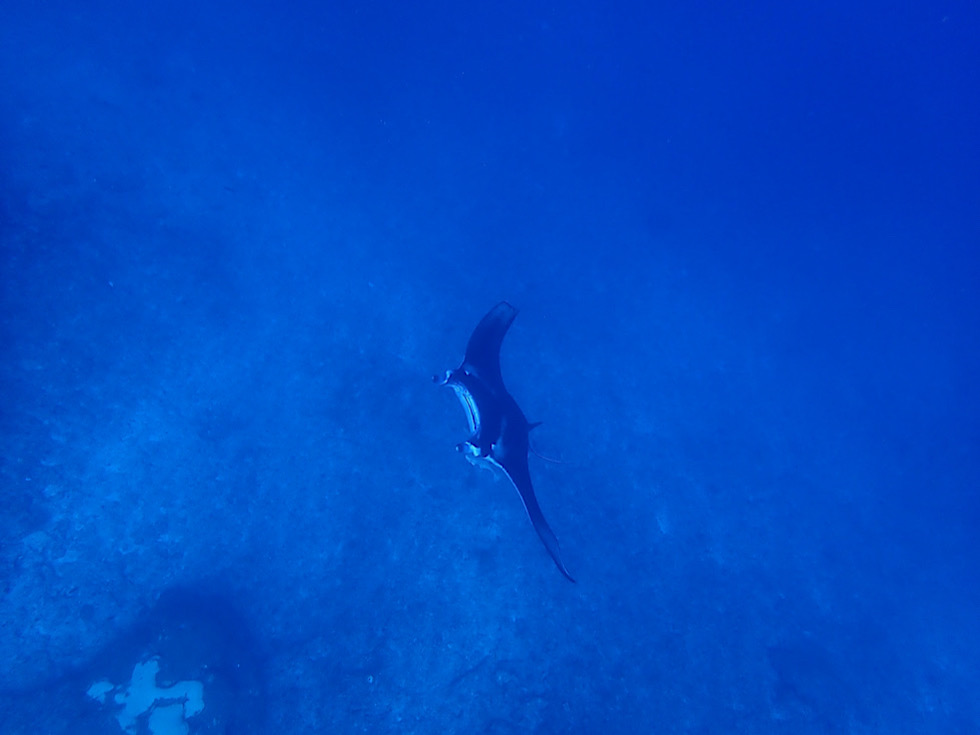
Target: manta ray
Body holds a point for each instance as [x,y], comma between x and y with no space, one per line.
[499,430]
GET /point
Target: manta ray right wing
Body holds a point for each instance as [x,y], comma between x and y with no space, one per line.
[516,469]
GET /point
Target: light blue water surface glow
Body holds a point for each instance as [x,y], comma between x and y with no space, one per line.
[237,239]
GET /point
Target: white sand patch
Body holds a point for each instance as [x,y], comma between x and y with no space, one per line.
[168,707]
[99,690]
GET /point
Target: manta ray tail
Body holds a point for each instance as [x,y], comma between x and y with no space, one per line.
[534,450]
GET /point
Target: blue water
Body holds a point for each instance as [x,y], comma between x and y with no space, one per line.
[238,239]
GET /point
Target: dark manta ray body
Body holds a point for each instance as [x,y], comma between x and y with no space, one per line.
[499,429]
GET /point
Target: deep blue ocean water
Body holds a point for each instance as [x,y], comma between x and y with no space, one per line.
[238,238]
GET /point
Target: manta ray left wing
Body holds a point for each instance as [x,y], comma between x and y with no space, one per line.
[483,350]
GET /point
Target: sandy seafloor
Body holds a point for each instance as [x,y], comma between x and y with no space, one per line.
[224,296]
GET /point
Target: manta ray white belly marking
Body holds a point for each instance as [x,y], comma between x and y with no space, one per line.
[469,405]
[498,428]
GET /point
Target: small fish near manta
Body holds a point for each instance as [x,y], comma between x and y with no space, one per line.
[499,429]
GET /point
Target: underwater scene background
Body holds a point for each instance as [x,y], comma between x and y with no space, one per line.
[237,239]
